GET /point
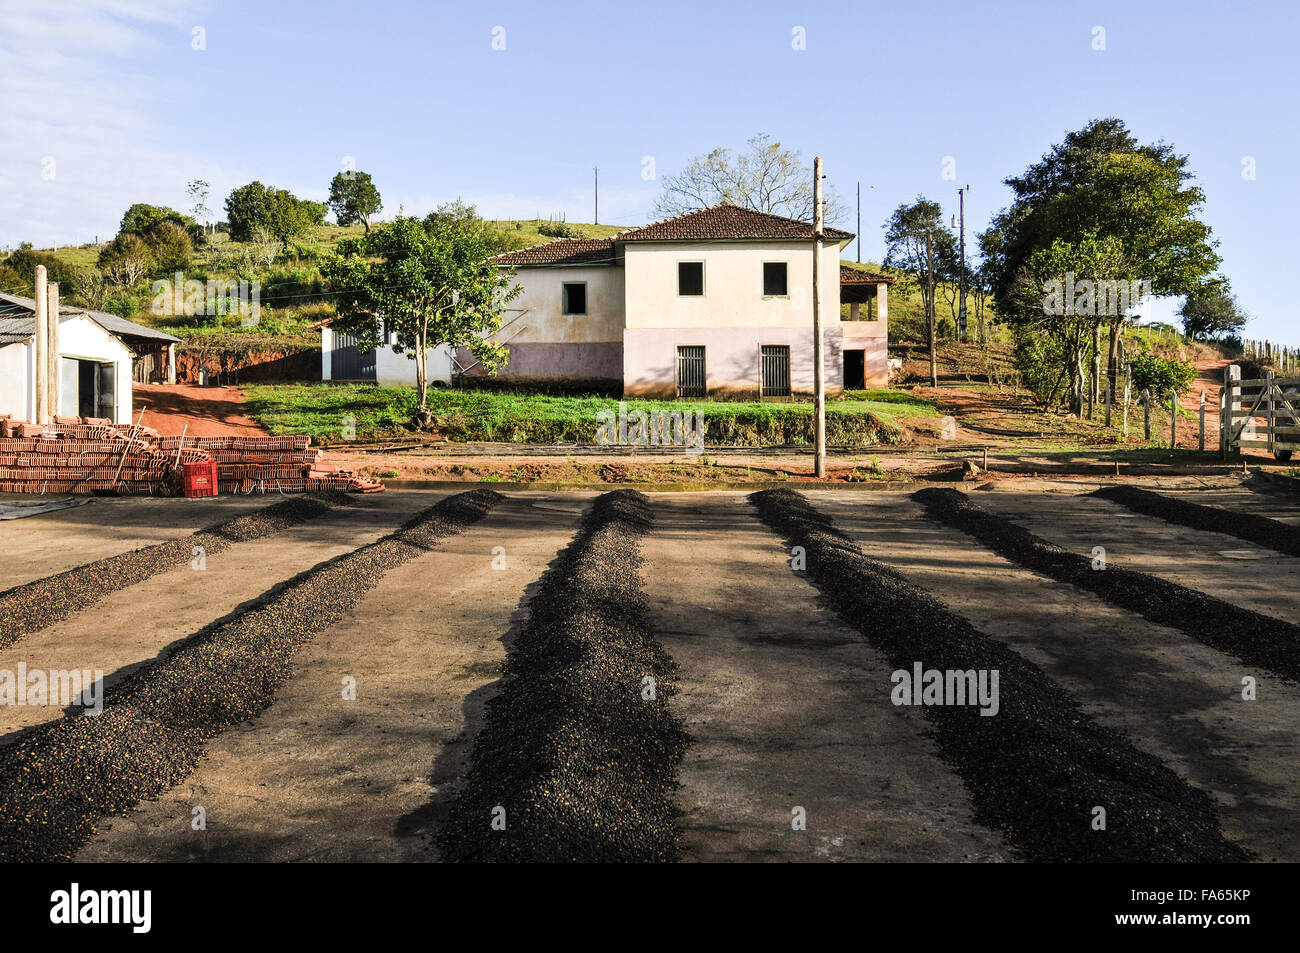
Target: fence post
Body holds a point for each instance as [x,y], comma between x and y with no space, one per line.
[1231,401]
[1146,412]
[1110,398]
[1201,442]
[1272,437]
[1128,387]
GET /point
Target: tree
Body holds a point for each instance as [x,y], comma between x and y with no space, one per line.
[354,198]
[495,238]
[171,247]
[279,211]
[1212,316]
[918,243]
[765,178]
[126,259]
[1100,181]
[428,281]
[140,219]
[198,190]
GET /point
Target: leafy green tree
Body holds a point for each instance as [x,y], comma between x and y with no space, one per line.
[1101,181]
[1212,316]
[171,247]
[429,283]
[919,244]
[126,259]
[354,198]
[256,208]
[495,238]
[140,219]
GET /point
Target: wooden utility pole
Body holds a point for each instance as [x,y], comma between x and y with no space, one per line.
[819,370]
[961,275]
[595,218]
[859,223]
[929,308]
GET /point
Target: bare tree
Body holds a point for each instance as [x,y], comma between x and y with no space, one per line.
[765,177]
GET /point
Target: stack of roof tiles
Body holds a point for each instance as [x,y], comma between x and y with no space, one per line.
[84,454]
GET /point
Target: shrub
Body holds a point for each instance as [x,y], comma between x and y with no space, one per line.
[1161,375]
[559,230]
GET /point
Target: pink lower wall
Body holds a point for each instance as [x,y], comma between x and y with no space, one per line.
[731,359]
[578,361]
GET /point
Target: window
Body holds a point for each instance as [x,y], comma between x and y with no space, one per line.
[776,370]
[690,372]
[575,297]
[690,278]
[774,279]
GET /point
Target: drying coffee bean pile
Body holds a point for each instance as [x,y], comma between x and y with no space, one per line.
[42,602]
[1037,768]
[582,764]
[1253,528]
[1252,637]
[58,779]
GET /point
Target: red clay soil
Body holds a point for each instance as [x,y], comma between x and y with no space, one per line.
[207,411]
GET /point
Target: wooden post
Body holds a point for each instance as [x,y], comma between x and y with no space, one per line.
[1201,442]
[819,370]
[40,341]
[1173,419]
[1146,412]
[1268,382]
[1110,398]
[1128,392]
[1231,403]
[52,350]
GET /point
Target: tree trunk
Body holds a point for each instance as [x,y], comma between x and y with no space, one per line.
[423,419]
[929,310]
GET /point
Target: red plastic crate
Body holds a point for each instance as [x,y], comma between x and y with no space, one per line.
[200,478]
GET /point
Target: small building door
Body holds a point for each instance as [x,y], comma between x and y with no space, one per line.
[776,370]
[348,363]
[691,381]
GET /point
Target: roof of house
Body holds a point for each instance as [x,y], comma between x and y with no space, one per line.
[561,251]
[18,321]
[856,276]
[726,222]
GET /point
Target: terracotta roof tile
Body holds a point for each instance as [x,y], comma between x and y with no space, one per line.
[562,251]
[856,276]
[726,221]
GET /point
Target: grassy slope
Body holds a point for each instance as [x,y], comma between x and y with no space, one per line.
[379,412]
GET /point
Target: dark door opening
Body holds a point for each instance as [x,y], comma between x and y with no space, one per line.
[691,381]
[855,368]
[96,388]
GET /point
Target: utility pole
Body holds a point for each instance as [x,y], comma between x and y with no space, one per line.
[596,215]
[859,223]
[929,307]
[961,280]
[819,371]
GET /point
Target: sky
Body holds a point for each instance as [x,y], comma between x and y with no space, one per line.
[510,106]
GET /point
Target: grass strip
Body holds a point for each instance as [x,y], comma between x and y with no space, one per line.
[59,779]
[42,602]
[1035,770]
[1251,637]
[583,765]
[1253,528]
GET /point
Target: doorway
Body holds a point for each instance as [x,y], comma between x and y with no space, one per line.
[95,392]
[855,370]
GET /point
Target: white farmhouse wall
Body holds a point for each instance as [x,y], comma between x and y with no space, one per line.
[83,339]
[17,395]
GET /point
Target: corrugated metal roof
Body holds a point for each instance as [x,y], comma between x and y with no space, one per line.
[18,321]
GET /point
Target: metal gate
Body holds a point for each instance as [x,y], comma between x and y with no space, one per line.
[1263,413]
[690,372]
[348,362]
[776,370]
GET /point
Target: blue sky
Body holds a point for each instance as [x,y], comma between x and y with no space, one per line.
[107,103]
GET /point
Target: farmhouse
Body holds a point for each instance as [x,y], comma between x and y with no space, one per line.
[99,357]
[714,303]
